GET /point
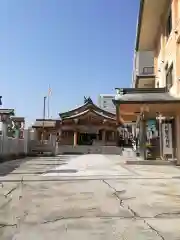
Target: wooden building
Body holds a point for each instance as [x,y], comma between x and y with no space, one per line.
[84,125]
[87,125]
[148,107]
[44,128]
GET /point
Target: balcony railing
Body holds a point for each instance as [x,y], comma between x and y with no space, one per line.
[148,71]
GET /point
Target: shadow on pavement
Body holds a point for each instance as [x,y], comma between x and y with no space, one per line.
[73,153]
[9,166]
[62,171]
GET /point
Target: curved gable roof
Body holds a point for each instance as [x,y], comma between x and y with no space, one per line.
[89,111]
[84,107]
[77,109]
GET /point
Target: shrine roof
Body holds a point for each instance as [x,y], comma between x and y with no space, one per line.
[83,109]
[18,119]
[104,115]
[7,111]
[44,123]
[101,114]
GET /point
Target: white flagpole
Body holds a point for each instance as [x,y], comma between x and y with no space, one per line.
[48,101]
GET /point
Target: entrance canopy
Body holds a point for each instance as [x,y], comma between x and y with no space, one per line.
[151,101]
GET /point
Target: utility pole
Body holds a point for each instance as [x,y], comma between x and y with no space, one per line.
[48,103]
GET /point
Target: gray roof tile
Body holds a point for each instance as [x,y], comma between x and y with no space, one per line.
[7,111]
[45,124]
[146,97]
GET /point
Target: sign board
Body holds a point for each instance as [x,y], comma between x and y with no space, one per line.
[151,125]
[151,129]
[167,138]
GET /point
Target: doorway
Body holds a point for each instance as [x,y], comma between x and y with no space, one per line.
[86,138]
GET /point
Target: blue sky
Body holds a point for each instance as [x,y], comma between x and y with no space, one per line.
[79,47]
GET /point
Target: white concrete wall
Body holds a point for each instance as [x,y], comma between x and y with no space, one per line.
[15,146]
[12,146]
[143,59]
[36,146]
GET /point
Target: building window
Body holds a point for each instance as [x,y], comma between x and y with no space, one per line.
[169,77]
[169,24]
[148,70]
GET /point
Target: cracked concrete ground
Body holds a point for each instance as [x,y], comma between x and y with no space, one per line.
[88,197]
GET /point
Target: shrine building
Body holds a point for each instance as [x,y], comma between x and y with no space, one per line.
[85,125]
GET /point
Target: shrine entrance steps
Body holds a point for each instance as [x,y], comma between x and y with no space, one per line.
[86,149]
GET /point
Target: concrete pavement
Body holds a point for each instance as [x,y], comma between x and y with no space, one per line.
[88,197]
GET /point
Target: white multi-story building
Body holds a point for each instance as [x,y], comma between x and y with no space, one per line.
[105,102]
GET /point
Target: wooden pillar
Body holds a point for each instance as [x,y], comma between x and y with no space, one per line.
[104,135]
[97,136]
[75,138]
[50,137]
[116,137]
[42,135]
[142,138]
[112,135]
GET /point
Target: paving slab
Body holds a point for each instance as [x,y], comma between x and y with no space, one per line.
[87,165]
[92,228]
[149,198]
[103,199]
